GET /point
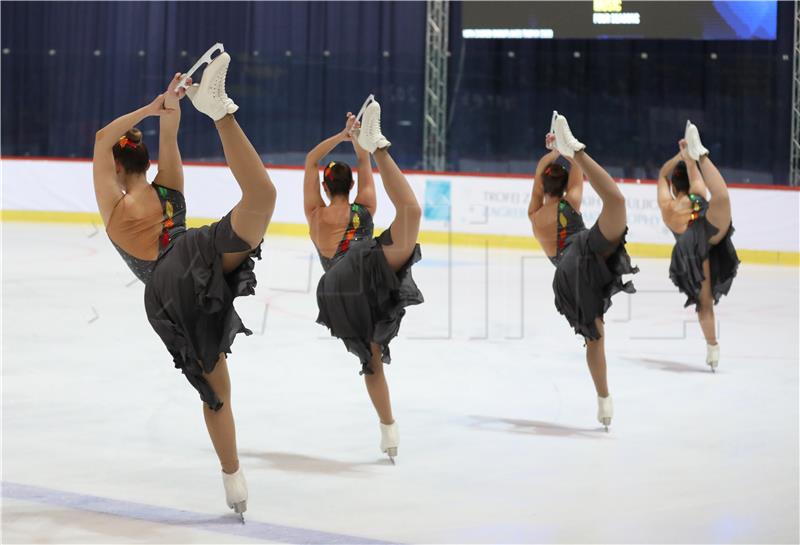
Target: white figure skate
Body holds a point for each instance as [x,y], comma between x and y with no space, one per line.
[605,411]
[694,145]
[390,440]
[236,492]
[566,144]
[712,356]
[209,96]
[369,136]
[360,113]
[205,59]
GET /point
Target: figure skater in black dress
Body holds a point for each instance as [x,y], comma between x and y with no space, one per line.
[367,281]
[191,276]
[589,262]
[704,260]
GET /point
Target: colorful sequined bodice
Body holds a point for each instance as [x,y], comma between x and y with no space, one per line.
[173,224]
[699,207]
[359,228]
[569,222]
[173,206]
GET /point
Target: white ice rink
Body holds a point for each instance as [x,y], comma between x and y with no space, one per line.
[103,440]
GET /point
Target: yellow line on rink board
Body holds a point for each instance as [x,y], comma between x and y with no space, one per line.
[636,249]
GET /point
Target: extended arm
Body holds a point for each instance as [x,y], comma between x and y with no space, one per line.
[366,181]
[312,199]
[104,172]
[664,193]
[575,184]
[170,167]
[537,195]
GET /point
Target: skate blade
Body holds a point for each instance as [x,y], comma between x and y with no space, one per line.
[391,453]
[553,122]
[370,98]
[239,508]
[205,59]
[606,423]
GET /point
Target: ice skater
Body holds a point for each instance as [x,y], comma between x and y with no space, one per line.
[589,262]
[367,282]
[191,276]
[704,260]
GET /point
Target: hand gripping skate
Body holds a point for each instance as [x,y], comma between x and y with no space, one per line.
[205,59]
[360,113]
[551,146]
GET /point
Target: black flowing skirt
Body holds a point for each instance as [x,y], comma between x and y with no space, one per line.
[585,281]
[189,301]
[362,300]
[691,249]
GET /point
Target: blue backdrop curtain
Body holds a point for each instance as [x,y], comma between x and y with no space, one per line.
[297,68]
[629,110]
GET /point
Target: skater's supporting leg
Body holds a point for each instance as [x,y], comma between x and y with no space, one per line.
[613,219]
[596,358]
[719,205]
[378,389]
[405,227]
[221,427]
[705,314]
[252,213]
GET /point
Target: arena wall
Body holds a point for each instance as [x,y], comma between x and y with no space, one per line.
[458,208]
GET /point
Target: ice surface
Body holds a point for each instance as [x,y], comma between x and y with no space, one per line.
[499,442]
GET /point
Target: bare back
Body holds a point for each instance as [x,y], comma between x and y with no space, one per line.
[677,214]
[136,223]
[327,226]
[545,225]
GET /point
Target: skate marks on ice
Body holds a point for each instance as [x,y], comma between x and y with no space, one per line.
[669,366]
[302,463]
[228,524]
[534,427]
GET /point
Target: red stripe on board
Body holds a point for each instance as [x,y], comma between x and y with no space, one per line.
[524,177]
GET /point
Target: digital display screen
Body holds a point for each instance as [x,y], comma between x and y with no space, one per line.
[621,19]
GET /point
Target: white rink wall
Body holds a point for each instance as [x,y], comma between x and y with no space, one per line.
[765,219]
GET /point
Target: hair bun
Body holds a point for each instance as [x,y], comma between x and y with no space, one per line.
[134,135]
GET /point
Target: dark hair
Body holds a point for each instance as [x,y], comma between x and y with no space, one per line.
[680,178]
[131,153]
[554,180]
[338,177]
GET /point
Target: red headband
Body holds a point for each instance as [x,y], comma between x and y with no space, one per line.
[124,142]
[326,174]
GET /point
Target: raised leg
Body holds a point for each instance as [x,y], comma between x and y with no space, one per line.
[596,358]
[613,218]
[719,205]
[378,389]
[252,213]
[405,227]
[220,424]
